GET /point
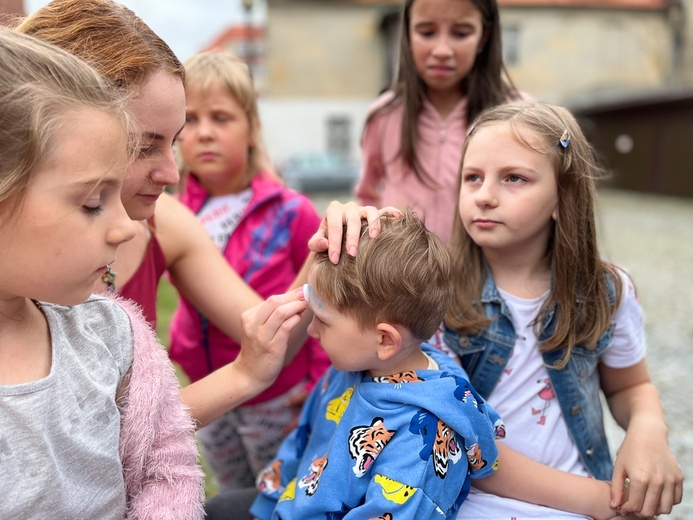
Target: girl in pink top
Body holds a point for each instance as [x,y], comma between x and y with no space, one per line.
[450,70]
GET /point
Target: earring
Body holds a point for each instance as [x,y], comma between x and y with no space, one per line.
[109,278]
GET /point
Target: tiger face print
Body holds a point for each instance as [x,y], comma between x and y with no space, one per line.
[403,377]
[366,443]
[269,479]
[445,449]
[475,458]
[310,482]
[499,429]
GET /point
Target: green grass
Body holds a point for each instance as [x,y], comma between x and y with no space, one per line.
[166,303]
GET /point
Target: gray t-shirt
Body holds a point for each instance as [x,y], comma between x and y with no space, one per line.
[59,435]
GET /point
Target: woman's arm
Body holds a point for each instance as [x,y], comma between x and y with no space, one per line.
[265,332]
[199,271]
[644,458]
[203,276]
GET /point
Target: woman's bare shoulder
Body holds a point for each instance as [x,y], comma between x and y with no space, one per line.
[176,228]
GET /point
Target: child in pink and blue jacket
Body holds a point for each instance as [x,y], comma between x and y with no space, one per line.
[262,229]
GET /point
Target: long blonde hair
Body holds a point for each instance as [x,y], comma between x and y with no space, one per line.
[40,84]
[579,289]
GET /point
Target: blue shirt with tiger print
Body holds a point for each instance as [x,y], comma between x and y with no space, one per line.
[396,447]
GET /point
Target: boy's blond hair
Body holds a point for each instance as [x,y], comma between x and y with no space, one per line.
[402,277]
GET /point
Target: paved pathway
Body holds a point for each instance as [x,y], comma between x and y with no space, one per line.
[652,238]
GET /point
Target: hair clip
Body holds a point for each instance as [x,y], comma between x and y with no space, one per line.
[565,139]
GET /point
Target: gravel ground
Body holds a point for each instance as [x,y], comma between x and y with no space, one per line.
[652,238]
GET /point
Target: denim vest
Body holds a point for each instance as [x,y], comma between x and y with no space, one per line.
[484,356]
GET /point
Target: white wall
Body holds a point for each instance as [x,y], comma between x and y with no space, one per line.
[575,55]
[292,125]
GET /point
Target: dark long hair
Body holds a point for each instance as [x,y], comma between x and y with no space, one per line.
[487,84]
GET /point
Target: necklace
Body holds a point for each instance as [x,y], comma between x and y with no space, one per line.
[109,278]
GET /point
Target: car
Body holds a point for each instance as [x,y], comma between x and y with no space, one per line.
[319,171]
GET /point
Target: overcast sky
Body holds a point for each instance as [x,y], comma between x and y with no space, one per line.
[187,26]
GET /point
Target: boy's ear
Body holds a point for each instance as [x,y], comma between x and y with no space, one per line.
[389,341]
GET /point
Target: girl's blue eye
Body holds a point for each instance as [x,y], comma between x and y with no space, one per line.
[514,178]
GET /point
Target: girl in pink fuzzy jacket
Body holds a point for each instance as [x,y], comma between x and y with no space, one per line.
[92,424]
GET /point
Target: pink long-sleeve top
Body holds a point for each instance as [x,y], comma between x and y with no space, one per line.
[386,181]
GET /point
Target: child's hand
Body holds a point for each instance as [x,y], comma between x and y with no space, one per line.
[329,235]
[655,479]
[600,491]
[265,335]
[605,512]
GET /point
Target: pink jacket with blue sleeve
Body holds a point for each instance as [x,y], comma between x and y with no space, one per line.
[267,249]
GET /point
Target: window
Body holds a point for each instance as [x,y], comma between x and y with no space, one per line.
[338,134]
[511,45]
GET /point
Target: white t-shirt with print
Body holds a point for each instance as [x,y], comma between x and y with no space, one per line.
[525,399]
[220,215]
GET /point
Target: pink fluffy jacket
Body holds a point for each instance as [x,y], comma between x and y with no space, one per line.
[157,445]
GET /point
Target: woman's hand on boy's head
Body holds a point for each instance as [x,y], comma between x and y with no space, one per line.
[265,336]
[329,234]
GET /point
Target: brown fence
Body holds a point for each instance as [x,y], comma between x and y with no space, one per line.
[646,143]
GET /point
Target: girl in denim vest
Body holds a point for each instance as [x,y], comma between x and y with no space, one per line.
[542,324]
